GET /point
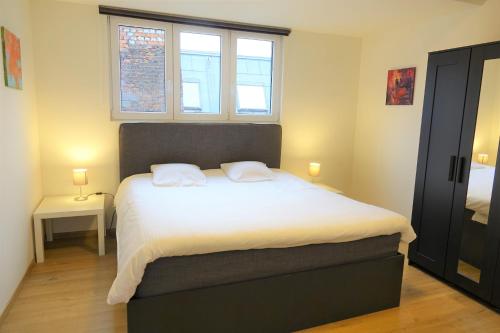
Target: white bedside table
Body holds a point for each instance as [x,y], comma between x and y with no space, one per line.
[66,206]
[329,188]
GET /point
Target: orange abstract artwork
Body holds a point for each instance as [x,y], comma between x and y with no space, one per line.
[400,86]
[11,46]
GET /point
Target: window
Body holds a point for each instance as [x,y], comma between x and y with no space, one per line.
[256,76]
[198,66]
[254,62]
[164,71]
[140,69]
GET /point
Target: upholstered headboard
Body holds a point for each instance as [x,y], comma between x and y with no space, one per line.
[206,145]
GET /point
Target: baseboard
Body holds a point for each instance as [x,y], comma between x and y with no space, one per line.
[5,312]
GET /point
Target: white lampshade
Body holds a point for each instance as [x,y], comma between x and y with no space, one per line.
[482,158]
[80,177]
[314,169]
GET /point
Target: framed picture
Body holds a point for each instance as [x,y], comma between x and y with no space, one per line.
[400,86]
[11,51]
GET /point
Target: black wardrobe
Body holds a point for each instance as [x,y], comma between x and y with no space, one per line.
[456,209]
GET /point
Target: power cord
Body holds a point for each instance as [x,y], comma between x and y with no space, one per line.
[100,193]
[114,209]
[112,220]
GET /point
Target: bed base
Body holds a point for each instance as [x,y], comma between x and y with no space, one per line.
[280,303]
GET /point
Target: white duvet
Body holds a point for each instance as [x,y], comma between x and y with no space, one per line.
[479,192]
[156,222]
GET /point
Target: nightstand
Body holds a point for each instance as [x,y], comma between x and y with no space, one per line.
[329,188]
[66,206]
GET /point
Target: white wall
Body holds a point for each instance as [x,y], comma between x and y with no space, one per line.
[387,137]
[20,184]
[488,120]
[319,105]
[72,100]
[320,88]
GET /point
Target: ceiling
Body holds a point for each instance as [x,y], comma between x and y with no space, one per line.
[345,17]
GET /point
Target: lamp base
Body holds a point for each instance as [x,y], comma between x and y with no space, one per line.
[81,197]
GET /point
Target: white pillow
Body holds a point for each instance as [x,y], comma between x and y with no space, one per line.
[177,174]
[247,171]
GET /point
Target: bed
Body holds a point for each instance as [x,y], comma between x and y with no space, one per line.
[479,191]
[265,257]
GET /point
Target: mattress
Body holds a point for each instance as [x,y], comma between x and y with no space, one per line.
[155,222]
[171,274]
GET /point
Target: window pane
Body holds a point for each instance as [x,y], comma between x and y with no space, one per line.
[254,63]
[142,69]
[200,72]
[191,96]
[252,99]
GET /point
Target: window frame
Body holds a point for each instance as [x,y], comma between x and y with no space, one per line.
[228,79]
[224,75]
[276,77]
[116,111]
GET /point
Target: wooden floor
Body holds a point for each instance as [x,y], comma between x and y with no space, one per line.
[68,292]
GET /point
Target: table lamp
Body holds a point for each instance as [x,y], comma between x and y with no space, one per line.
[482,158]
[80,179]
[314,169]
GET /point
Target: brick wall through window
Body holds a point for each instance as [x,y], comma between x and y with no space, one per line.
[142,69]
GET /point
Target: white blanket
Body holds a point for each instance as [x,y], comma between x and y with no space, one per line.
[156,222]
[479,191]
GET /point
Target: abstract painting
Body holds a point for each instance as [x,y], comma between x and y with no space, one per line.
[11,47]
[400,86]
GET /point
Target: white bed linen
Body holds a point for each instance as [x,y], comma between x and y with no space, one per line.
[479,192]
[223,215]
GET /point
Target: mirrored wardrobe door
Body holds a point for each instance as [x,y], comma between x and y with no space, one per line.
[473,245]
[481,175]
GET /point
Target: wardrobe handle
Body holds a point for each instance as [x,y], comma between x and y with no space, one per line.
[461,166]
[451,172]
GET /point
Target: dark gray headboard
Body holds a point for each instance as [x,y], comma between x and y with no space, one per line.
[206,145]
